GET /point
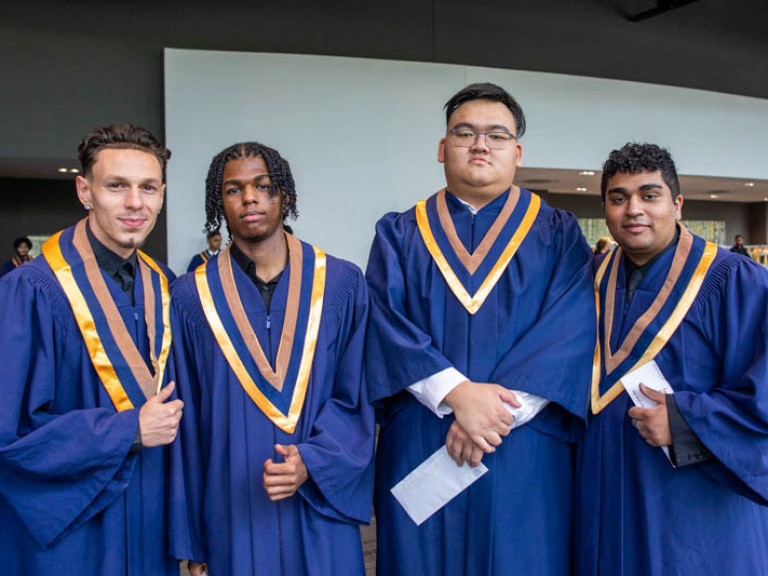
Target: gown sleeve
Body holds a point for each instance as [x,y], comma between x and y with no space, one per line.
[398,353]
[338,452]
[60,463]
[731,417]
[553,359]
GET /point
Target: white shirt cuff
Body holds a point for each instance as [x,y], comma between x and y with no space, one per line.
[432,390]
[530,406]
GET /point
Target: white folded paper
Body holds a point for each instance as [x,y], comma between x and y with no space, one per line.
[433,484]
[650,375]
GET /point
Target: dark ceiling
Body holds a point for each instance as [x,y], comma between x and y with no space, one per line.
[709,44]
[70,65]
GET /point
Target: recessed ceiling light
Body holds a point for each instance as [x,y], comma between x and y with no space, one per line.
[74,170]
[749,184]
[713,195]
[581,189]
[586,173]
[62,170]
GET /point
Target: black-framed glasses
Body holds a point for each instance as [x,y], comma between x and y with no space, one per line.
[464,138]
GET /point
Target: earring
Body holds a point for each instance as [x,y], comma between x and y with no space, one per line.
[87,206]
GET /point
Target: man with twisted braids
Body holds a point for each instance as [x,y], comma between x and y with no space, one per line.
[273,471]
[85,413]
[694,315]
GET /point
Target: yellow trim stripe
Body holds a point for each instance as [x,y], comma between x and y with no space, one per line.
[474,303]
[662,337]
[165,295]
[286,422]
[61,268]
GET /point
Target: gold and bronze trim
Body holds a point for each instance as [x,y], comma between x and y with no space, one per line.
[473,303]
[286,422]
[104,368]
[598,401]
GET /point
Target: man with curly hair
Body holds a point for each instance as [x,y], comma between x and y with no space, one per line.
[676,481]
[21,248]
[273,472]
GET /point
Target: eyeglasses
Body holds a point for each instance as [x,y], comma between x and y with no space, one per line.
[464,138]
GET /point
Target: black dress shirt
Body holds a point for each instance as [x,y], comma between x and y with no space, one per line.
[121,270]
[266,289]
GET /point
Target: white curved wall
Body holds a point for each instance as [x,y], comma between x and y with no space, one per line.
[361,135]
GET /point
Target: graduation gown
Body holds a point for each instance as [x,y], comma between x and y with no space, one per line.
[11,265]
[73,498]
[198,259]
[640,516]
[222,514]
[532,333]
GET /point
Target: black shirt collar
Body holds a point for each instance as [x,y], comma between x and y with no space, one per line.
[121,270]
[266,289]
[105,258]
[630,266]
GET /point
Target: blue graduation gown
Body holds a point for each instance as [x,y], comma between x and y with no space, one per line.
[73,499]
[534,333]
[221,512]
[196,260]
[9,266]
[639,516]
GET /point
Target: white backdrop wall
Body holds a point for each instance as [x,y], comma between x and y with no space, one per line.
[361,135]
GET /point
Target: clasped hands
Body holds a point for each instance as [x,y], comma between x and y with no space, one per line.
[482,420]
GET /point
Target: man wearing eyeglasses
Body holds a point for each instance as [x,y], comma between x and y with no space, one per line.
[481,339]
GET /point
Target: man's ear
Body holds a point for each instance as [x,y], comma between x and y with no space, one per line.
[83,191]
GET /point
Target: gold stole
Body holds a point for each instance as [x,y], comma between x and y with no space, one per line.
[612,361]
[275,378]
[149,383]
[17,262]
[472,303]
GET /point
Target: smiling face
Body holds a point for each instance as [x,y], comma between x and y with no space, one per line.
[124,190]
[252,211]
[641,213]
[478,174]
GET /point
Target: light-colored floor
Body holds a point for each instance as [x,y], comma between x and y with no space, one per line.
[368,534]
